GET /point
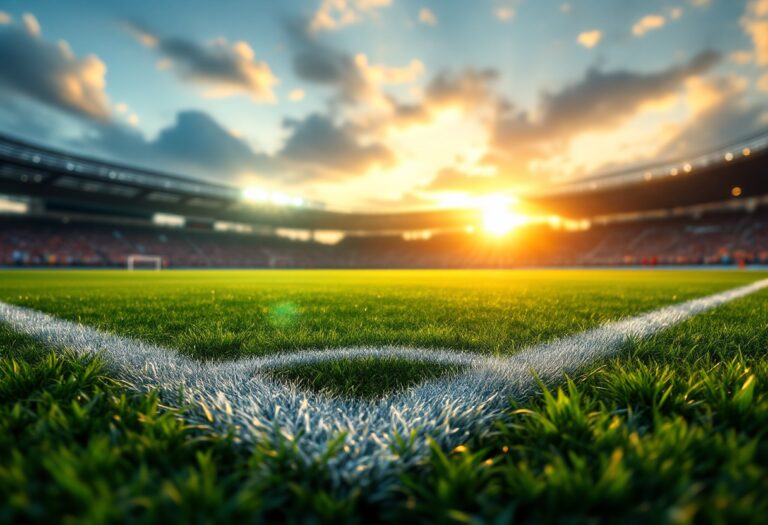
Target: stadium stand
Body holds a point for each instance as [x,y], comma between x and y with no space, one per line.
[82,212]
[715,238]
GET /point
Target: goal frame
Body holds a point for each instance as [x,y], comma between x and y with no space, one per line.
[133,258]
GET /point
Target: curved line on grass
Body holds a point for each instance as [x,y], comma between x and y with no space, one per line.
[447,409]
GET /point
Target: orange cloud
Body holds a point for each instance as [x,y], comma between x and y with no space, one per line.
[755,24]
[590,39]
[648,23]
[335,14]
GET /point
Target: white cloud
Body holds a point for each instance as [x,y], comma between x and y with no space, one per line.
[590,39]
[296,95]
[427,17]
[701,4]
[648,23]
[335,14]
[5,18]
[675,13]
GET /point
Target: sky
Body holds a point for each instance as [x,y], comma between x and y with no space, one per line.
[385,105]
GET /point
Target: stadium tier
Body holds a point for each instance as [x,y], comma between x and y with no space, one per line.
[714,238]
[88,213]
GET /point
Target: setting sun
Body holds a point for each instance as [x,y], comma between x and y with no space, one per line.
[498,217]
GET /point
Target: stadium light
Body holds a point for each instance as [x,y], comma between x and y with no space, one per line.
[255,195]
[258,195]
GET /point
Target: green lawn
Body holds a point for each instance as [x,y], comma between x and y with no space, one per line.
[223,314]
[673,430]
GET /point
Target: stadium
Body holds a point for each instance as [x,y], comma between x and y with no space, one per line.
[65,210]
[336,291]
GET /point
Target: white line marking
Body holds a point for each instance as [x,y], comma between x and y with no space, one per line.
[448,409]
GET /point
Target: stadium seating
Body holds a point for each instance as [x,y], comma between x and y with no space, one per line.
[716,238]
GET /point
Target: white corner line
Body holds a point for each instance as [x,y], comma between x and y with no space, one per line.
[449,409]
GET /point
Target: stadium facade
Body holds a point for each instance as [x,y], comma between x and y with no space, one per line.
[64,209]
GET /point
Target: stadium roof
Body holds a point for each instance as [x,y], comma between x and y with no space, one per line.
[733,171]
[60,178]
[63,178]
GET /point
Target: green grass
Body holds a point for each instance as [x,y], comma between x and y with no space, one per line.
[362,377]
[674,430]
[224,314]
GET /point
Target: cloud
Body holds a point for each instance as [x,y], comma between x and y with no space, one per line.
[319,63]
[701,4]
[504,14]
[467,90]
[721,113]
[598,101]
[225,69]
[335,14]
[195,143]
[755,24]
[741,57]
[648,23]
[50,73]
[296,95]
[427,17]
[525,145]
[316,148]
[329,150]
[452,179]
[354,78]
[590,39]
[762,83]
[758,30]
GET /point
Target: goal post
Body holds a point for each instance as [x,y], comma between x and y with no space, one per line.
[136,261]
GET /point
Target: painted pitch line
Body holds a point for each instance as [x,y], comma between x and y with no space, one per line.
[449,409]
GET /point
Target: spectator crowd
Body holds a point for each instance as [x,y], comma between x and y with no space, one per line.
[716,238]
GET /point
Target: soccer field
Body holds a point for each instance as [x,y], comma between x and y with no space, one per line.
[410,396]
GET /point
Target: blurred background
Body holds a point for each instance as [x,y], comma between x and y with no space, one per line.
[384,134]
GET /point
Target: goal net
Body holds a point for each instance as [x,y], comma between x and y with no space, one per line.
[144,262]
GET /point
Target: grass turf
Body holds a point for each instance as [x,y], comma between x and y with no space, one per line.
[363,377]
[673,430]
[225,314]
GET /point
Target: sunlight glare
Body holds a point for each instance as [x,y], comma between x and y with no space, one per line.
[498,217]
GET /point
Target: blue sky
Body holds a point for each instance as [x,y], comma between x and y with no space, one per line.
[385,104]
